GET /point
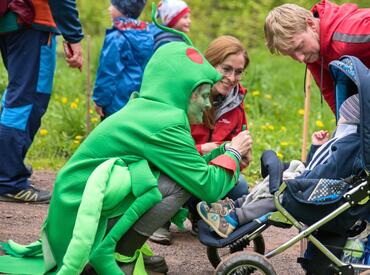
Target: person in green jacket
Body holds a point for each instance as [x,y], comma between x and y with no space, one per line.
[134,172]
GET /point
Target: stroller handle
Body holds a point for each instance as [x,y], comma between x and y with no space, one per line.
[272,166]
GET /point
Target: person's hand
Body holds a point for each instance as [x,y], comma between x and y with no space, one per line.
[246,160]
[242,143]
[208,147]
[99,110]
[320,137]
[73,53]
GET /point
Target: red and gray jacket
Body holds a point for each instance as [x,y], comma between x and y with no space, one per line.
[344,30]
[227,126]
[53,15]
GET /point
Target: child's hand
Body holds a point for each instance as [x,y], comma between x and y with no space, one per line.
[99,110]
[320,137]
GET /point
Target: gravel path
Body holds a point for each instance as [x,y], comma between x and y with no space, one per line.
[186,256]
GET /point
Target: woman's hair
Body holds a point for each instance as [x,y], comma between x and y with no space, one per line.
[218,50]
[221,47]
[282,23]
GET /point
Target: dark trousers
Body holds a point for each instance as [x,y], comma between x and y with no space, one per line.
[29,57]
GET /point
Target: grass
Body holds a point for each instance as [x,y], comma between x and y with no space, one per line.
[274,106]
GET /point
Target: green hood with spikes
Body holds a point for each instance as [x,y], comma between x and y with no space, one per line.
[172,74]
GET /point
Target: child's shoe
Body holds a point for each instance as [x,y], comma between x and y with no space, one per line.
[223,207]
[223,225]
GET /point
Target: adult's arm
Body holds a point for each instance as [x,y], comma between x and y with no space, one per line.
[65,15]
[173,152]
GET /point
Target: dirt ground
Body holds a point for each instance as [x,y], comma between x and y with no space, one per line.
[186,256]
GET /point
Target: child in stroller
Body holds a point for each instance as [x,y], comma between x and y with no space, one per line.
[336,158]
[325,219]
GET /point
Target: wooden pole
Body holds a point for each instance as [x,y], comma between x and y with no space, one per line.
[307,104]
[88,84]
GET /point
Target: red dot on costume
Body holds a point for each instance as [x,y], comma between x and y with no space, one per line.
[194,56]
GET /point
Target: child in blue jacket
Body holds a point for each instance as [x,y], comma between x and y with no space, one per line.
[128,46]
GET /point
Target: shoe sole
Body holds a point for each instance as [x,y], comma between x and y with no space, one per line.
[6,199]
[211,225]
[160,241]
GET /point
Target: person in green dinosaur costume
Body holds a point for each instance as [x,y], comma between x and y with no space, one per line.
[136,169]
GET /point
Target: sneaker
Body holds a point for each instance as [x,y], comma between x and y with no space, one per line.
[155,264]
[223,207]
[27,195]
[161,236]
[216,221]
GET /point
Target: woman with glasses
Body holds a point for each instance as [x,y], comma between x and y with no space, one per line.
[227,117]
[225,120]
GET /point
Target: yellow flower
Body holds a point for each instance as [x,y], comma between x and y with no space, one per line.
[43,132]
[301,112]
[64,100]
[280,155]
[283,128]
[264,127]
[78,137]
[255,93]
[270,127]
[77,99]
[284,143]
[319,123]
[91,111]
[94,119]
[74,105]
[76,142]
[268,96]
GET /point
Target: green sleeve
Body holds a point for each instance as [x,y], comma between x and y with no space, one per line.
[214,153]
[173,152]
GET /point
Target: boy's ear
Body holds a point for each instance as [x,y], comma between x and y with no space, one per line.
[311,24]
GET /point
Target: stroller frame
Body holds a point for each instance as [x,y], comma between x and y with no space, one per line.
[357,195]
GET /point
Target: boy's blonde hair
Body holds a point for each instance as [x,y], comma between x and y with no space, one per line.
[282,23]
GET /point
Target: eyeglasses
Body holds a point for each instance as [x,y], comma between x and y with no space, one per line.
[227,70]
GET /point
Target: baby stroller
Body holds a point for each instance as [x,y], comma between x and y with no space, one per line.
[346,202]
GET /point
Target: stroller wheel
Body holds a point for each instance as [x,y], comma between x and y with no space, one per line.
[216,255]
[242,263]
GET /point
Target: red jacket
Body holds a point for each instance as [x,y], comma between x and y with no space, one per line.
[226,127]
[344,30]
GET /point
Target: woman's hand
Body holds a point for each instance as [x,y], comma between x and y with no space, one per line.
[208,147]
[320,137]
[99,110]
[242,143]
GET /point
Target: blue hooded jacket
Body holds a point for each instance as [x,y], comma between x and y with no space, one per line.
[127,48]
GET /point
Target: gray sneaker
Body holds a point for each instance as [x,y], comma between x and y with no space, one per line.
[27,195]
[161,236]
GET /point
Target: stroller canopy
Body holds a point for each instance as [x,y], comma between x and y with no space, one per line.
[352,76]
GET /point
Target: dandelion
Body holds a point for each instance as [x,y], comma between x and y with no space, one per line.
[78,137]
[76,142]
[270,127]
[319,123]
[94,119]
[43,132]
[268,96]
[301,112]
[284,143]
[283,129]
[279,155]
[74,105]
[256,93]
[91,111]
[64,100]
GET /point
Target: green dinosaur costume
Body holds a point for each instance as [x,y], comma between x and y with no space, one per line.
[114,172]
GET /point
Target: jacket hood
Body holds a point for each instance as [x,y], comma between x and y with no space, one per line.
[173,72]
[331,16]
